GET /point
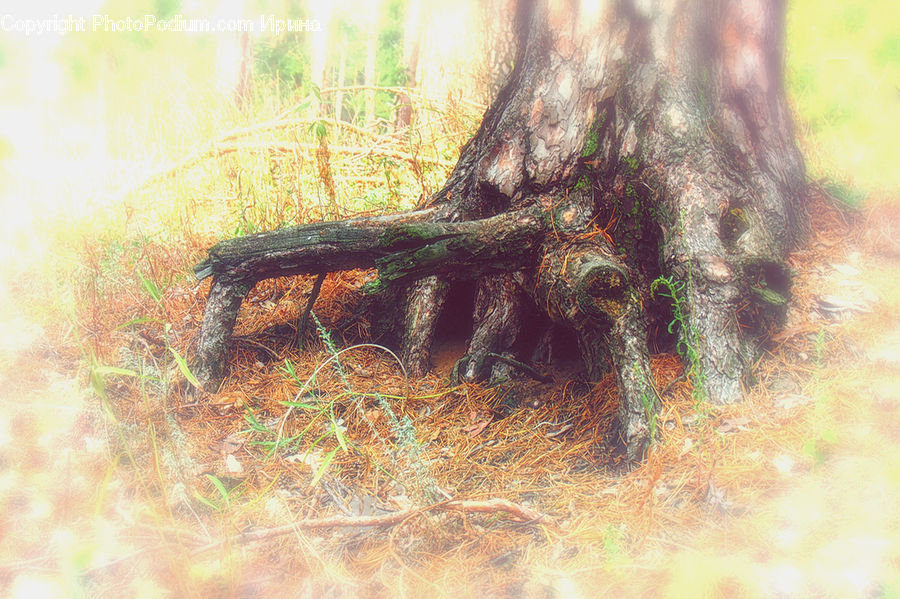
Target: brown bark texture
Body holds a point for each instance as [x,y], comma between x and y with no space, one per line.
[633,140]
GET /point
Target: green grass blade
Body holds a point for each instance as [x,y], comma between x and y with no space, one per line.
[300,404]
[104,370]
[185,370]
[207,502]
[341,437]
[220,487]
[254,423]
[150,287]
[321,471]
[136,321]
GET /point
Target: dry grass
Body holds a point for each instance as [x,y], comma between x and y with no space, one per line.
[115,491]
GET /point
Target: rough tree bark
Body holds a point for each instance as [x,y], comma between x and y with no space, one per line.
[667,124]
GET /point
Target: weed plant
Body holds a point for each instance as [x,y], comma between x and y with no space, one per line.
[688,345]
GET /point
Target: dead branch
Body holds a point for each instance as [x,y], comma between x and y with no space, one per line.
[473,105]
[217,149]
[288,123]
[496,505]
[304,320]
[529,370]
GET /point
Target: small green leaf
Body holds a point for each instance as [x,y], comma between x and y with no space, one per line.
[321,471]
[289,369]
[300,404]
[102,370]
[321,131]
[150,287]
[185,370]
[220,487]
[769,296]
[136,321]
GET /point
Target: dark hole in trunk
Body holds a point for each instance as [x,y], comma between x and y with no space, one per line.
[455,321]
[545,344]
[766,307]
[777,278]
[454,326]
[732,225]
[659,322]
[564,352]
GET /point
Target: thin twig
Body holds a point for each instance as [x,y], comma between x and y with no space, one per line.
[494,505]
[301,327]
[218,149]
[257,344]
[312,377]
[491,506]
[529,370]
[287,123]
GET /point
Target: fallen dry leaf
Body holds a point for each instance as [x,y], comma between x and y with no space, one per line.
[233,465]
[788,402]
[225,404]
[231,444]
[479,422]
[846,269]
[473,430]
[733,424]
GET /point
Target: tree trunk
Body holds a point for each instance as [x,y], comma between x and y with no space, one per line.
[339,93]
[632,141]
[371,50]
[674,119]
[245,72]
[323,12]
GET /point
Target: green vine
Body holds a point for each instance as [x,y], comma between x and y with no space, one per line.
[688,345]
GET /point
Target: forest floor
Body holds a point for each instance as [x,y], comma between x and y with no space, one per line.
[117,479]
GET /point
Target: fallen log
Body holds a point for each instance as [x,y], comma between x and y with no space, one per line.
[401,247]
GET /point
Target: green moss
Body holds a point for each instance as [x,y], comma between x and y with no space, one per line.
[770,297]
[609,307]
[591,143]
[848,196]
[376,286]
[430,254]
[632,164]
[583,183]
